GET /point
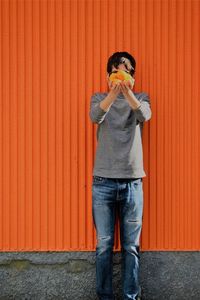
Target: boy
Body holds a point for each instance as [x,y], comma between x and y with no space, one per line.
[117,176]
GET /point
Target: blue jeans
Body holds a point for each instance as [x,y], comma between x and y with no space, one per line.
[108,194]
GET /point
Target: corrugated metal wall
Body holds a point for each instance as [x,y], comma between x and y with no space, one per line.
[53,57]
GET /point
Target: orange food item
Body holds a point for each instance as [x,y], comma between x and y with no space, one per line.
[121,76]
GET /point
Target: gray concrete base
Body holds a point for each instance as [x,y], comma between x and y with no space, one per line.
[71,275]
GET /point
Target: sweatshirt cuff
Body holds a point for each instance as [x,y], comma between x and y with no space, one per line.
[143,112]
[138,108]
[99,113]
[100,110]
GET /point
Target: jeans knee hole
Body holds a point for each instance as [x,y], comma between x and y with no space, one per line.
[133,221]
[104,237]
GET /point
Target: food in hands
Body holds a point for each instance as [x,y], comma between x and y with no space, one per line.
[121,75]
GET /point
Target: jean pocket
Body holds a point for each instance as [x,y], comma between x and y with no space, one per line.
[137,181]
[98,179]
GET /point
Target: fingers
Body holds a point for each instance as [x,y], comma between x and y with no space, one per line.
[124,86]
[120,86]
[112,85]
[116,86]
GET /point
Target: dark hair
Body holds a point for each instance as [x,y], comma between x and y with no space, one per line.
[118,58]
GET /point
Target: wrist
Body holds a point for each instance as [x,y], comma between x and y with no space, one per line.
[133,101]
[138,106]
[111,96]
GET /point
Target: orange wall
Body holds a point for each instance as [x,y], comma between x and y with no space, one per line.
[53,58]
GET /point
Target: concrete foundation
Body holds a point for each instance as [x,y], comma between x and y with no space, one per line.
[71,275]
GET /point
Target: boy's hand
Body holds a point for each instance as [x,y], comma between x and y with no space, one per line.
[115,88]
[126,87]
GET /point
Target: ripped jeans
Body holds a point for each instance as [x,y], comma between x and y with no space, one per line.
[127,195]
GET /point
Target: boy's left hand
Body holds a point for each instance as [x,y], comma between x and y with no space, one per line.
[126,87]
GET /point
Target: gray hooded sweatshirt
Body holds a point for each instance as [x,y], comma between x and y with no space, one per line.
[119,152]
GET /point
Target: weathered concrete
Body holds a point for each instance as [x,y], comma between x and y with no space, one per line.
[71,275]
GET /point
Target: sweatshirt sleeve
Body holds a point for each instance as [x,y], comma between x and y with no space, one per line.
[143,112]
[97,114]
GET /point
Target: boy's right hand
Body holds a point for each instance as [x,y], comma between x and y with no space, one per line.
[115,88]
